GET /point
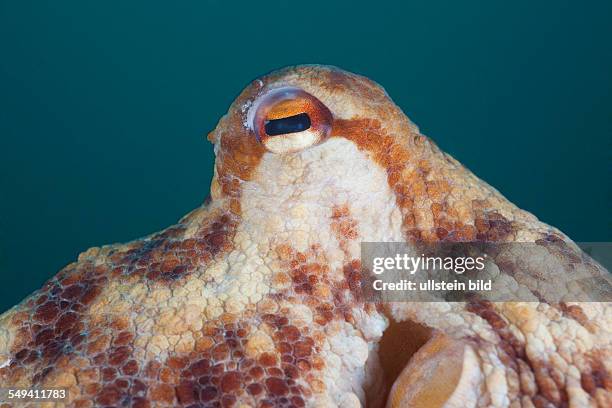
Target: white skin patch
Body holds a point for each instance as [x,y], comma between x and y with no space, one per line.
[303,188]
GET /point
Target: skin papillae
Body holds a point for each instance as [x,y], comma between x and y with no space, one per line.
[253,300]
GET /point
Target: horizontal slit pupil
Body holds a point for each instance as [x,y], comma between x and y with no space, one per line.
[290,124]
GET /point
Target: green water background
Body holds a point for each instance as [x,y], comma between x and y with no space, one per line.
[104,105]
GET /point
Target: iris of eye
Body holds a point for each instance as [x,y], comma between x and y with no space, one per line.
[290,124]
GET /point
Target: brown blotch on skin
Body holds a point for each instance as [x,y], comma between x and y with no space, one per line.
[187,393]
[130,368]
[354,278]
[277,386]
[267,360]
[163,393]
[493,227]
[231,381]
[109,395]
[576,313]
[343,225]
[596,376]
[47,312]
[169,255]
[329,296]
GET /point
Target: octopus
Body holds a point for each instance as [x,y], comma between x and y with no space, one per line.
[253,299]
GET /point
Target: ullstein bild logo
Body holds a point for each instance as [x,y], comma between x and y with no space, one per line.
[395,271]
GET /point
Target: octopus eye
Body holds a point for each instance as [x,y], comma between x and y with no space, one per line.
[290,124]
[287,120]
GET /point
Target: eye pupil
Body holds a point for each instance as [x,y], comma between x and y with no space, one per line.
[290,124]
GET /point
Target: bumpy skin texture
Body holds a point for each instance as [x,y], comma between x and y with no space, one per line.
[251,299]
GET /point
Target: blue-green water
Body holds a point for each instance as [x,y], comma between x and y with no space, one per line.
[104,105]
